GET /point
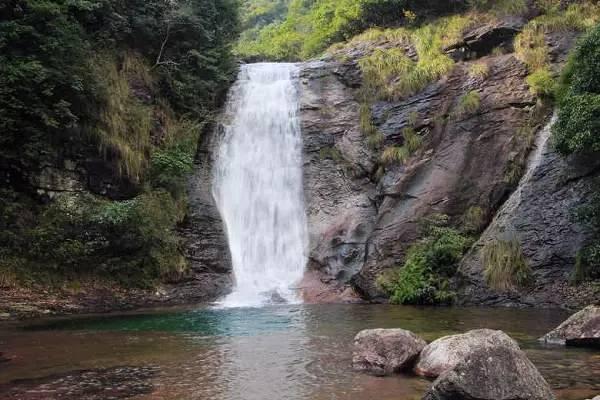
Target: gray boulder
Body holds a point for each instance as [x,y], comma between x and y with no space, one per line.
[445,353]
[491,373]
[581,329]
[385,351]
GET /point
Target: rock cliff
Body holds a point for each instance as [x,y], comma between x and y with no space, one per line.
[362,224]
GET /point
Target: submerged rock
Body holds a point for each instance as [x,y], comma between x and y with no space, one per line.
[446,353]
[581,329]
[98,384]
[501,372]
[385,351]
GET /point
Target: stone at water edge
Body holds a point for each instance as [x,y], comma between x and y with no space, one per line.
[385,351]
[445,353]
[491,373]
[581,329]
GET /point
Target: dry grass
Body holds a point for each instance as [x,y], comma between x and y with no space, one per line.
[8,278]
[395,155]
[505,265]
[400,154]
[479,70]
[473,220]
[125,123]
[468,104]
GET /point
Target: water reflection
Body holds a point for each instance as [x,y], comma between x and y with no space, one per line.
[291,352]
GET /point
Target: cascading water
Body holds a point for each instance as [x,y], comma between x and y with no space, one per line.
[258,186]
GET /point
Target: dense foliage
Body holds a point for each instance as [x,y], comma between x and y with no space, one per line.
[429,264]
[132,82]
[587,266]
[577,130]
[311,26]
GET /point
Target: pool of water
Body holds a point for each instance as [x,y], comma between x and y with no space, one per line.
[284,352]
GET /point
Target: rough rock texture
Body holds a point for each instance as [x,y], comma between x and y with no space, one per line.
[539,216]
[491,373]
[446,353]
[385,351]
[339,194]
[361,225]
[206,247]
[581,329]
[481,40]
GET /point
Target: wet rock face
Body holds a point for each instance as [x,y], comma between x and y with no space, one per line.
[581,329]
[112,383]
[337,164]
[446,353]
[540,217]
[385,351]
[491,373]
[206,245]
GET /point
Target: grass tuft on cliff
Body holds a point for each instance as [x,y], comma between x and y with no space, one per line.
[505,265]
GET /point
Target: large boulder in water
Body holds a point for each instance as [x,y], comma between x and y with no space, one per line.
[581,329]
[501,372]
[445,353]
[385,351]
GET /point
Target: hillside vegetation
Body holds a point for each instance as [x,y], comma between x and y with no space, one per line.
[123,88]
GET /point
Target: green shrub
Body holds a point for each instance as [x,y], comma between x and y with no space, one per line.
[500,7]
[578,125]
[400,154]
[587,264]
[505,266]
[429,264]
[514,171]
[468,104]
[310,27]
[331,153]
[395,155]
[474,219]
[542,83]
[412,141]
[131,80]
[531,47]
[479,70]
[391,75]
[375,140]
[583,71]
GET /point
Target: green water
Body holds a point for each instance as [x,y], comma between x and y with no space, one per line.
[289,352]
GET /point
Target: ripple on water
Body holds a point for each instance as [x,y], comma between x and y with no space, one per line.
[291,352]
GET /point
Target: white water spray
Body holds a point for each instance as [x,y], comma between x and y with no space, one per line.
[258,186]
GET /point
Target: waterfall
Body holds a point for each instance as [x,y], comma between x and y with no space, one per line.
[258,186]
